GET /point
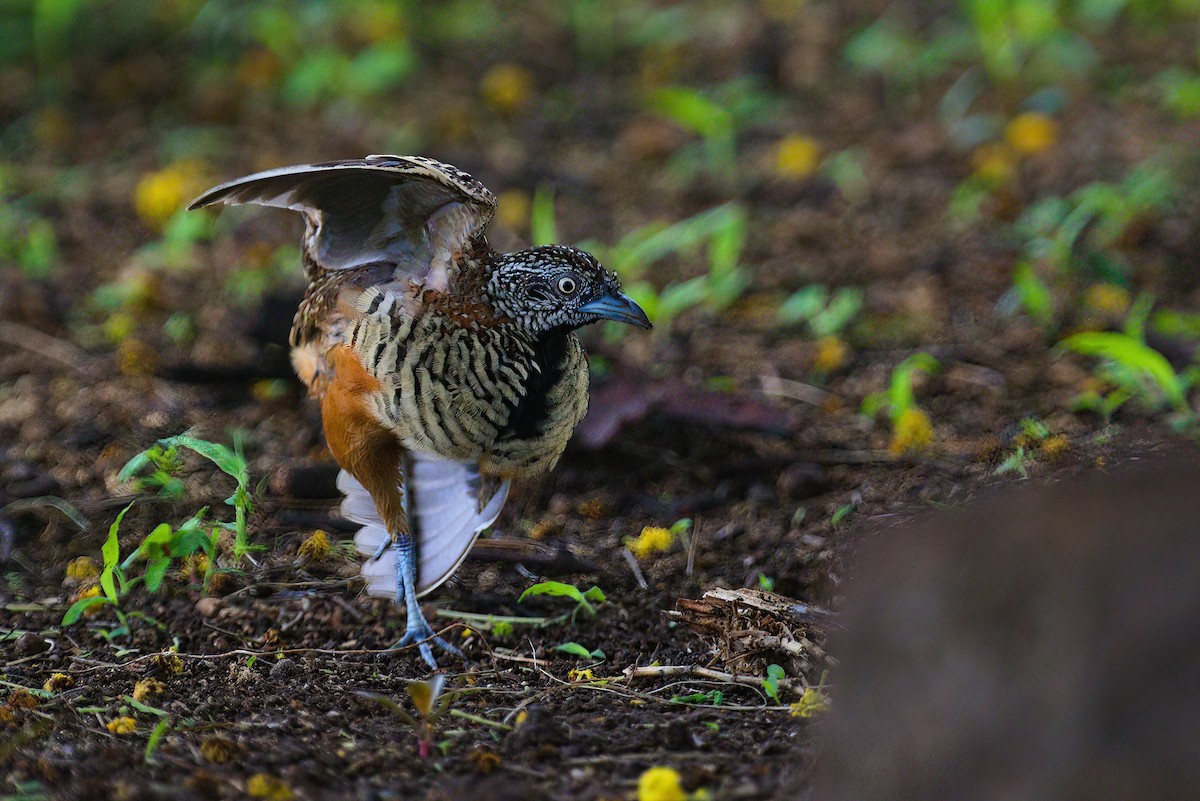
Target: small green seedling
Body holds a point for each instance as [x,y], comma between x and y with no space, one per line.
[765,582]
[775,675]
[583,600]
[825,314]
[711,697]
[575,649]
[430,702]
[230,461]
[900,396]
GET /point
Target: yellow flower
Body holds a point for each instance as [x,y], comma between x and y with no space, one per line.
[146,689]
[513,209]
[911,432]
[580,675]
[316,547]
[122,725]
[1031,133]
[831,354]
[1054,446]
[1107,299]
[218,749]
[994,163]
[660,784]
[271,788]
[82,568]
[652,540]
[507,88]
[813,702]
[58,682]
[160,194]
[797,156]
[169,663]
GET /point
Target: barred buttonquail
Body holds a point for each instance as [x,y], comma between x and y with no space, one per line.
[443,368]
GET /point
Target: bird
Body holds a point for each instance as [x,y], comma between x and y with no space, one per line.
[444,370]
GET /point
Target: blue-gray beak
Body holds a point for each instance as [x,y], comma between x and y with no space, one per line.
[617,306]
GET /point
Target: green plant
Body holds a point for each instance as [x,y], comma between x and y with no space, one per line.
[230,461]
[1135,370]
[712,697]
[114,583]
[575,649]
[583,600]
[429,701]
[825,314]
[770,684]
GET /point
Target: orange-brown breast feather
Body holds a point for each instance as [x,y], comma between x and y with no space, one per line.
[361,445]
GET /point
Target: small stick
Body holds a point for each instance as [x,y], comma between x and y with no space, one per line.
[633,565]
[59,350]
[658,671]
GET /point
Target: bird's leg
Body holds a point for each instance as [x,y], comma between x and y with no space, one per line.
[417,628]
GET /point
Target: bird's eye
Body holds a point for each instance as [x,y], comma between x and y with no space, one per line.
[567,285]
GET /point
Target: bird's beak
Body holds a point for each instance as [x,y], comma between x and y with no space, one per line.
[617,306]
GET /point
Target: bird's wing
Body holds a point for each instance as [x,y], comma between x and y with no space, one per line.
[449,508]
[410,211]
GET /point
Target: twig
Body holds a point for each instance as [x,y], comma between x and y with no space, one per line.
[796,390]
[458,713]
[633,565]
[659,671]
[33,340]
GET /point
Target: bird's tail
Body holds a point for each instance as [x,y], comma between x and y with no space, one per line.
[447,513]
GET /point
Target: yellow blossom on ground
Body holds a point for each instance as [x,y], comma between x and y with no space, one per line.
[1054,446]
[911,432]
[507,87]
[58,682]
[813,702]
[124,725]
[513,208]
[1107,299]
[585,674]
[316,547]
[660,784]
[797,156]
[1031,133]
[136,358]
[160,194]
[218,749]
[994,163]
[194,566]
[22,699]
[652,540]
[831,354]
[169,663]
[522,716]
[146,689]
[271,788]
[83,567]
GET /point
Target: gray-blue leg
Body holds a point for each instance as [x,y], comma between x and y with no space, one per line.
[416,628]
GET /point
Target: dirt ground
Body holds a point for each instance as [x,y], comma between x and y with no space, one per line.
[716,418]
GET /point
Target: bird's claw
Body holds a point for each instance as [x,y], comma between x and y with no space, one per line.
[420,634]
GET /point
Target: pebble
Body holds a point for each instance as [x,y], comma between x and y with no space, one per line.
[29,644]
[283,668]
[207,607]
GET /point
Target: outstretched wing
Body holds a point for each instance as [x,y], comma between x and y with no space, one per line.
[410,211]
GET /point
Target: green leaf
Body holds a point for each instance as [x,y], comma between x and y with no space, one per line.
[1134,356]
[595,595]
[556,588]
[775,674]
[574,649]
[134,465]
[155,572]
[82,605]
[156,735]
[224,458]
[141,707]
[111,551]
[543,229]
[1034,295]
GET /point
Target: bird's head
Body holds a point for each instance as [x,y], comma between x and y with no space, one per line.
[558,288]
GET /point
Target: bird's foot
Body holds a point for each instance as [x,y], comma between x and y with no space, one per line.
[417,630]
[419,633]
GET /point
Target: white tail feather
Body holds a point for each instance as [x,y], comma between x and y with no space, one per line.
[445,500]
